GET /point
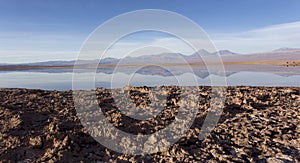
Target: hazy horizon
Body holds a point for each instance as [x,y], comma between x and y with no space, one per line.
[189,54]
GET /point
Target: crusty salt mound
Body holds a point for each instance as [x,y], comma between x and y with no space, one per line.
[257,124]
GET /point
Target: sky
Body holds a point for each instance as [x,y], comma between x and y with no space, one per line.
[42,30]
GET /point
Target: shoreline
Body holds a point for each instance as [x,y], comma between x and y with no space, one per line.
[257,124]
[204,86]
[286,63]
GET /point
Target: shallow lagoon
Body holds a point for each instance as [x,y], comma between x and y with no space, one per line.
[63,81]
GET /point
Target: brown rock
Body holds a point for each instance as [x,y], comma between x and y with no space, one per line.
[36,142]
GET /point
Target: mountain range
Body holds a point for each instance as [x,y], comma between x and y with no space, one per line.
[281,54]
[233,62]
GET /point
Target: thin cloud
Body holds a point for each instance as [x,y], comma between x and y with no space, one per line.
[262,39]
[31,47]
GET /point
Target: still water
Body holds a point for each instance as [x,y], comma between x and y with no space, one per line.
[63,81]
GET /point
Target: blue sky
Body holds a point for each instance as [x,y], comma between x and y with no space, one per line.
[39,30]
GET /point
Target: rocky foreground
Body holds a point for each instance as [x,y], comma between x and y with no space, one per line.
[257,124]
